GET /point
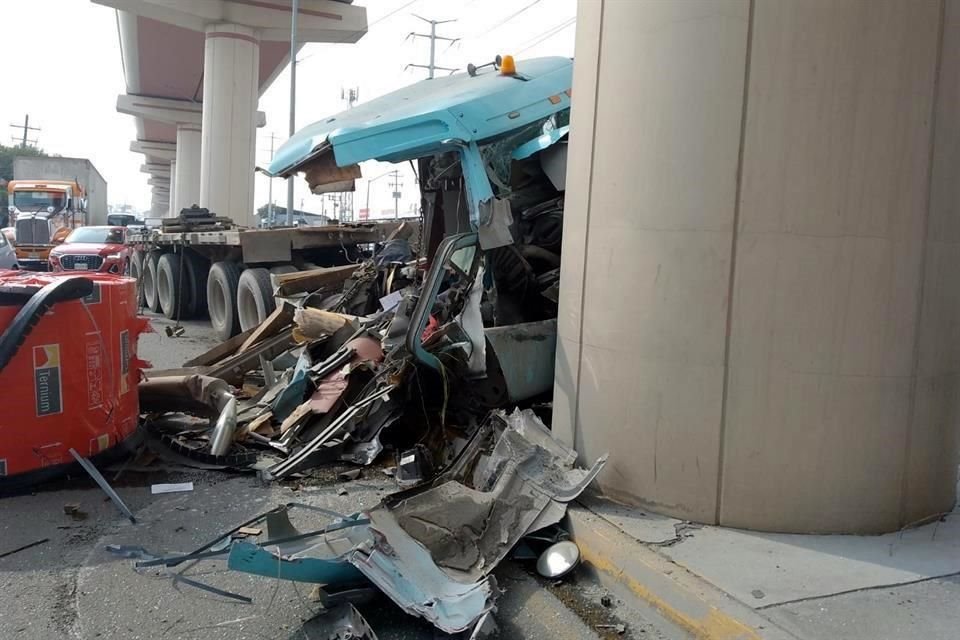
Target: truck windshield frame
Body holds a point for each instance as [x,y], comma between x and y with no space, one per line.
[27,201]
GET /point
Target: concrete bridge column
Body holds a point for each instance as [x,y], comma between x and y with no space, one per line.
[230,72]
[187,174]
[758,315]
[173,189]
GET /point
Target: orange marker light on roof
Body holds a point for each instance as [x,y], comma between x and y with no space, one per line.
[507,66]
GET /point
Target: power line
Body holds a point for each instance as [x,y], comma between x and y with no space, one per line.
[549,33]
[395,11]
[369,28]
[509,18]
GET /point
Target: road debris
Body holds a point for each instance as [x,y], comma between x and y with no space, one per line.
[24,547]
[620,629]
[558,559]
[433,350]
[102,482]
[175,487]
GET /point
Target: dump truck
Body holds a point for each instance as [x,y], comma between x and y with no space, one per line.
[49,198]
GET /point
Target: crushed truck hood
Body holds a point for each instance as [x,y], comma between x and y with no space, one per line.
[423,118]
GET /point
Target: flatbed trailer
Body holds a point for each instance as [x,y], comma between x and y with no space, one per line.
[224,271]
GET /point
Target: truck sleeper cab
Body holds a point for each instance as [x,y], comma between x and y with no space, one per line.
[490,149]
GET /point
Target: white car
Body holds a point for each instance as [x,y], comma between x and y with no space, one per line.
[8,257]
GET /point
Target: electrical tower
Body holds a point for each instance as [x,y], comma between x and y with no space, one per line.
[433,37]
[26,129]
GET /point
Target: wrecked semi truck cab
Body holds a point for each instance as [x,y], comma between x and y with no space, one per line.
[490,152]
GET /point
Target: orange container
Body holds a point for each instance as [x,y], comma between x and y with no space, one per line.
[72,383]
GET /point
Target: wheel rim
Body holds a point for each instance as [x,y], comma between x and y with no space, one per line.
[149,289]
[218,304]
[163,290]
[247,309]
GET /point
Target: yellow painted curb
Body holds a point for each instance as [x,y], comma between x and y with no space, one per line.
[679,597]
[715,625]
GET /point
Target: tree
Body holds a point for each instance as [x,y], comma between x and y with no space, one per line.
[7,154]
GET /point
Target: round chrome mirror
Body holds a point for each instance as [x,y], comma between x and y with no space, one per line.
[558,560]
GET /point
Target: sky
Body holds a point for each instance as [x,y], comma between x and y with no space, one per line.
[79,48]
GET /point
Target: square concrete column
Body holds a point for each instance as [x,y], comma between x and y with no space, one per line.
[230,71]
[759,317]
[188,168]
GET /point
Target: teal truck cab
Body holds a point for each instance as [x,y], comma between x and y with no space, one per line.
[490,153]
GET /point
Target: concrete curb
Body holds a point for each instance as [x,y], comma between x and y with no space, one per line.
[656,585]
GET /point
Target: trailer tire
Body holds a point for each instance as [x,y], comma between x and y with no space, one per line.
[150,297]
[195,280]
[169,294]
[222,283]
[254,298]
[136,272]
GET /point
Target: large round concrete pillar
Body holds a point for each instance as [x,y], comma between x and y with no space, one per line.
[758,315]
[230,72]
[188,168]
[174,212]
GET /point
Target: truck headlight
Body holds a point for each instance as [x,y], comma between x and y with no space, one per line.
[114,256]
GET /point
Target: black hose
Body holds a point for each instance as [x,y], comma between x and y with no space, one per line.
[62,290]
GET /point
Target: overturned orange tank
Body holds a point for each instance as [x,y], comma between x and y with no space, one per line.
[68,371]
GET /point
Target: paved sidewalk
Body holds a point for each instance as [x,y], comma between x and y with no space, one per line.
[730,584]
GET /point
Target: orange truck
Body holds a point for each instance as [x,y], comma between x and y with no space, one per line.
[43,213]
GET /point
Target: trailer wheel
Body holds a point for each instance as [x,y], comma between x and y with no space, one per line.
[169,293]
[254,298]
[222,283]
[136,272]
[150,281]
[196,269]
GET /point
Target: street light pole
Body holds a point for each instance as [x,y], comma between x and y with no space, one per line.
[294,10]
[382,175]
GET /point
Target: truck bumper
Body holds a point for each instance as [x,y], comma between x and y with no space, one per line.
[30,264]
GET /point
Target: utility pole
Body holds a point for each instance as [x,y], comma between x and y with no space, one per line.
[294,10]
[396,193]
[347,214]
[271,215]
[433,37]
[26,129]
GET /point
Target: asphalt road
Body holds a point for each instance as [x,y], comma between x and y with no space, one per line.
[71,587]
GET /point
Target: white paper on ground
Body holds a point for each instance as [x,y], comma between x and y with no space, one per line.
[174,487]
[389,301]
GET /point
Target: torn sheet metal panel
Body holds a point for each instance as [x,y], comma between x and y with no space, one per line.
[496,220]
[292,395]
[288,554]
[403,569]
[344,423]
[471,321]
[491,500]
[250,558]
[331,387]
